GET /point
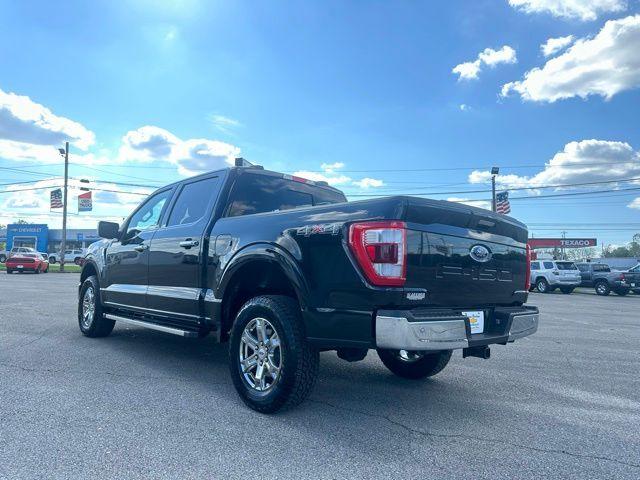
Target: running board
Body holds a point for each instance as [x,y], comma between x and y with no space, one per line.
[153,326]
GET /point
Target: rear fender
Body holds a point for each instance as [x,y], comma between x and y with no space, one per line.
[270,253]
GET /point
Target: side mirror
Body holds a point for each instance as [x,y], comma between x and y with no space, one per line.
[108,230]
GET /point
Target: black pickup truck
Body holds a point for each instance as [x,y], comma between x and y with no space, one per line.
[283,268]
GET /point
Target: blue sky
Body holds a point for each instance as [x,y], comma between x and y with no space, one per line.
[154,91]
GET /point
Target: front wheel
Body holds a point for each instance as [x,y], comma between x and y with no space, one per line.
[602,288]
[52,260]
[271,363]
[3,258]
[90,316]
[414,365]
[622,291]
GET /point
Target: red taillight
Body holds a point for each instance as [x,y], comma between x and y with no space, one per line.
[380,249]
[527,274]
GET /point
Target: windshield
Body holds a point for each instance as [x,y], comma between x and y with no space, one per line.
[566,266]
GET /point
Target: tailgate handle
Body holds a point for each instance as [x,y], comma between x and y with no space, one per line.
[188,243]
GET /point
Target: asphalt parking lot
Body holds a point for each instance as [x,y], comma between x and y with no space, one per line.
[563,403]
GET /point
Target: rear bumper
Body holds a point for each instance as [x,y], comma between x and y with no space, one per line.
[449,330]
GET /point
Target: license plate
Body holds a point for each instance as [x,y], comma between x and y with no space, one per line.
[20,266]
[476,319]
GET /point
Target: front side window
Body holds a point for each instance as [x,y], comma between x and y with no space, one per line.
[193,201]
[583,268]
[148,216]
[548,265]
[535,265]
[601,268]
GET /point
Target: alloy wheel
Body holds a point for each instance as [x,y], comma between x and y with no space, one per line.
[409,356]
[88,307]
[260,355]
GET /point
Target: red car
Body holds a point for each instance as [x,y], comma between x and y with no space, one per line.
[27,262]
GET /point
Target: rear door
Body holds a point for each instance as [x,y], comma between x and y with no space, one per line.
[128,257]
[176,252]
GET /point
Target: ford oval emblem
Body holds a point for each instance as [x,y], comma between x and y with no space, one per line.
[480,253]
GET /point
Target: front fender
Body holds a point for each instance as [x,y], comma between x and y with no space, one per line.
[265,252]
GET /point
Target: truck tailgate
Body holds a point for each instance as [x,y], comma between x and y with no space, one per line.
[464,256]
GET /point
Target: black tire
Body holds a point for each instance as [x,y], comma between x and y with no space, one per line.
[414,365]
[542,285]
[622,291]
[298,359]
[52,261]
[9,271]
[37,270]
[98,326]
[566,290]
[602,288]
[3,258]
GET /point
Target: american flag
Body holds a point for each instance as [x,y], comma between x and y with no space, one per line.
[502,203]
[56,198]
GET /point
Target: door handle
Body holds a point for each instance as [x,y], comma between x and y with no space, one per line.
[188,243]
[140,248]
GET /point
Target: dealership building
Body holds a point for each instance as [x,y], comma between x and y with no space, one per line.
[45,239]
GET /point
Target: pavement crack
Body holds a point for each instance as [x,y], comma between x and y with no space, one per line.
[424,433]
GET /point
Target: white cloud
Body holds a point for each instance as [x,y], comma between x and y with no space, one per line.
[635,204]
[489,57]
[572,9]
[464,107]
[555,45]
[369,183]
[331,179]
[25,121]
[474,203]
[330,167]
[579,162]
[224,124]
[149,143]
[23,200]
[604,65]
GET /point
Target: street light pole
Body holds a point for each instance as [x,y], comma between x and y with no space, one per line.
[494,172]
[63,245]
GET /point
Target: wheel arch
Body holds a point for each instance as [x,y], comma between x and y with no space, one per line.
[260,269]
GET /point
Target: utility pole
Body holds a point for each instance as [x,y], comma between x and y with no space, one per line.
[494,171]
[564,235]
[63,245]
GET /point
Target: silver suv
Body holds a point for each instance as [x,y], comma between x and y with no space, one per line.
[547,275]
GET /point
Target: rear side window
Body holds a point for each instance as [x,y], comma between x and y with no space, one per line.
[193,200]
[566,266]
[256,193]
[548,265]
[535,265]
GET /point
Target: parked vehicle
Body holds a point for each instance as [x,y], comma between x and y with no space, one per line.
[547,275]
[15,250]
[69,255]
[27,262]
[283,268]
[600,277]
[635,280]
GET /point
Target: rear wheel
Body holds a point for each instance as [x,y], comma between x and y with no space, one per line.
[90,315]
[271,363]
[9,271]
[52,260]
[602,288]
[542,285]
[414,365]
[566,290]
